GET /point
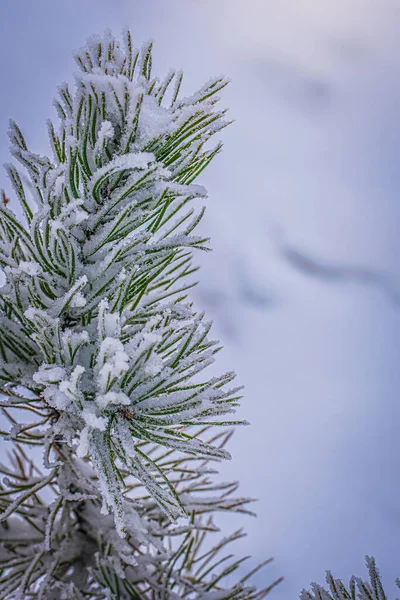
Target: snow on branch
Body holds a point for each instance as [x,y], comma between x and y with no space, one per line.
[102,349]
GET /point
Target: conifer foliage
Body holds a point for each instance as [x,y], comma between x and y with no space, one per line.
[358,589]
[102,352]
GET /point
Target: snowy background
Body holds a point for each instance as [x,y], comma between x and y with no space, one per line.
[312,162]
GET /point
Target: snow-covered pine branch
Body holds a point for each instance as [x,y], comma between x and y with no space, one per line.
[358,588]
[103,352]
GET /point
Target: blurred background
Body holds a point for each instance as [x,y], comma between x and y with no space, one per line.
[303,283]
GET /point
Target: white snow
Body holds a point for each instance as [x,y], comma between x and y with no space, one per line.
[78,300]
[94,421]
[49,374]
[30,268]
[105,133]
[131,161]
[83,446]
[113,361]
[117,398]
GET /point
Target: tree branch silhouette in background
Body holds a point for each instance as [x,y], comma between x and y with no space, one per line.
[336,272]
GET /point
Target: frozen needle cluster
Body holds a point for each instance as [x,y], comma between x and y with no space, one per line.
[102,351]
[358,589]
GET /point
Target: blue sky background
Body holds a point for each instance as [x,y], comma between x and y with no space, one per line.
[311,159]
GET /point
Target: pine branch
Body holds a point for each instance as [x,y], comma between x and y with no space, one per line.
[102,352]
[357,588]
